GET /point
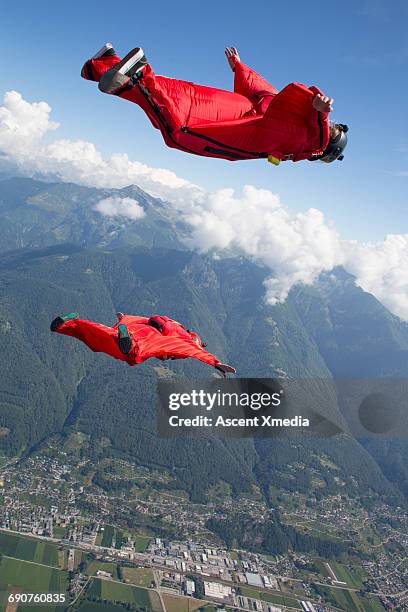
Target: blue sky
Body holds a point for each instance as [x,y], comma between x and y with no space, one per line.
[356,51]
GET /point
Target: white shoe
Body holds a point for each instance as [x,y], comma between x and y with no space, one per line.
[122,74]
[132,63]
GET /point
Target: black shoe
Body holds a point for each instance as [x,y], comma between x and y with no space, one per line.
[156,325]
[125,340]
[58,321]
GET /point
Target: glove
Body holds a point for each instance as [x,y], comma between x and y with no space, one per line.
[224,368]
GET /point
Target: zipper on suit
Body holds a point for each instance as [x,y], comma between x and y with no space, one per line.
[187,130]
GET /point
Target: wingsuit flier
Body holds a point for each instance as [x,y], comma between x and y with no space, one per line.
[135,339]
[254,121]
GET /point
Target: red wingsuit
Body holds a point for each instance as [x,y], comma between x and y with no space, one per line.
[254,121]
[172,342]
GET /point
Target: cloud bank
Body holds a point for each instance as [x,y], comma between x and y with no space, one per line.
[120,207]
[23,128]
[382,269]
[296,247]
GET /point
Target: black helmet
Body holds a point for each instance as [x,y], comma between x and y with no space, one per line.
[336,146]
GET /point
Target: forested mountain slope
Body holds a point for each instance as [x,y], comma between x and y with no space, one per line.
[60,255]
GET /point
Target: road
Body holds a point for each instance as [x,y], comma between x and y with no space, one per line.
[147,560]
[157,583]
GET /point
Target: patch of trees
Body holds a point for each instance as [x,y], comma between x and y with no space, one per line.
[272,537]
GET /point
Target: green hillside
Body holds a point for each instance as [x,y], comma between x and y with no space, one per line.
[60,255]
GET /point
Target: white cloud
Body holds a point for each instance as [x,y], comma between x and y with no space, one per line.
[381,268]
[120,207]
[296,247]
[23,124]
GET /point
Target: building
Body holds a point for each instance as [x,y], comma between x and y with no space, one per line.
[189,587]
[267,582]
[308,606]
[254,579]
[217,590]
[103,574]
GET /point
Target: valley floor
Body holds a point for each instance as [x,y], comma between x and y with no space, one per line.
[149,546]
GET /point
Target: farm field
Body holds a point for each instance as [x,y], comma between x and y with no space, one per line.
[93,566]
[270,597]
[282,600]
[110,536]
[353,577]
[118,592]
[59,532]
[28,549]
[348,600]
[91,606]
[118,538]
[142,576]
[141,543]
[184,604]
[107,536]
[31,578]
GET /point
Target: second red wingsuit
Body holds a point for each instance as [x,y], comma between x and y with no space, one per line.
[254,121]
[135,339]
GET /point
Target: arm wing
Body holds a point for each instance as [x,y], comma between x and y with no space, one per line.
[166,346]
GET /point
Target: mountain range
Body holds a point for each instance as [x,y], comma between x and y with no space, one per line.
[59,254]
